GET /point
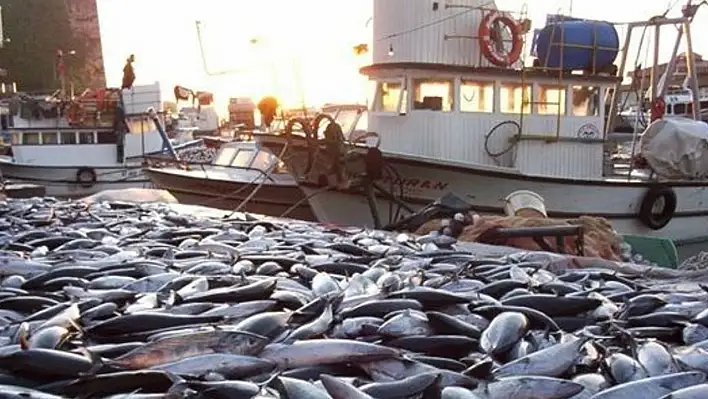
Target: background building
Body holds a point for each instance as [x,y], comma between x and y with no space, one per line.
[35,29]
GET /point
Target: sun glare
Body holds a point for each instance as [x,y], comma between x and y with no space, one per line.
[300,52]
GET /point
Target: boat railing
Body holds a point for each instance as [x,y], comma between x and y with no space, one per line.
[163,161]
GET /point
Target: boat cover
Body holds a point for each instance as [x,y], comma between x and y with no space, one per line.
[676,148]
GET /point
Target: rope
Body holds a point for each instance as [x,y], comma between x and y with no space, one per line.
[266,175]
[306,198]
[696,262]
[232,192]
[432,23]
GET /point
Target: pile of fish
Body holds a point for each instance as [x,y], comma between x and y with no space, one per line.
[120,300]
[197,154]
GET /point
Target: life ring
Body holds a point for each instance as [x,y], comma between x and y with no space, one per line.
[497,58]
[86,177]
[646,211]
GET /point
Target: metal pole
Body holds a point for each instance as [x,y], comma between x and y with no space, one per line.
[658,22]
[610,122]
[691,66]
[655,63]
[671,65]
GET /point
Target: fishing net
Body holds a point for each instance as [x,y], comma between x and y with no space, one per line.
[599,240]
[696,262]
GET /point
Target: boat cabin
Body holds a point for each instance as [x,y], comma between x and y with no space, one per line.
[679,102]
[471,115]
[439,93]
[46,131]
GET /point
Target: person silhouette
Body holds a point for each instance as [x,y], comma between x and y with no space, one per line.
[128,73]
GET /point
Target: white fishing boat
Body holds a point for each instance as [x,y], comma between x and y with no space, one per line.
[455,113]
[679,104]
[84,145]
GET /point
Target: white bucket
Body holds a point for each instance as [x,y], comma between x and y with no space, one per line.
[524,200]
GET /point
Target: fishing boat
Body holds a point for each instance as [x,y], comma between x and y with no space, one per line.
[679,104]
[456,110]
[247,177]
[199,116]
[241,177]
[79,146]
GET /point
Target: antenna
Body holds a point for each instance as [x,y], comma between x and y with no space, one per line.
[570,9]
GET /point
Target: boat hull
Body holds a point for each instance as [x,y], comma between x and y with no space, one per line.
[419,182]
[61,181]
[270,199]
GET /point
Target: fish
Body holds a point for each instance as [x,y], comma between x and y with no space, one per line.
[137,300]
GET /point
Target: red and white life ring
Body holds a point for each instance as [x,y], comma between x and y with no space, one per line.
[500,59]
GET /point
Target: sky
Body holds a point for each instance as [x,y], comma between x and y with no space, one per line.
[299,49]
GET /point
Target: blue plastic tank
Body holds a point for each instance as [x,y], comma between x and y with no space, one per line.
[580,41]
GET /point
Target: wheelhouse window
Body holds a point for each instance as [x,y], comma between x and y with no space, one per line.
[683,108]
[106,137]
[243,159]
[50,138]
[551,100]
[389,97]
[86,138]
[515,98]
[140,125]
[68,138]
[476,96]
[434,95]
[30,138]
[585,100]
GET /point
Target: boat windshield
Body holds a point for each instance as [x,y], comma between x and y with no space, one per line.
[263,160]
[251,157]
[225,155]
[243,158]
[348,118]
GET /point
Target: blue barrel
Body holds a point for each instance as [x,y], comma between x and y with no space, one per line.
[580,41]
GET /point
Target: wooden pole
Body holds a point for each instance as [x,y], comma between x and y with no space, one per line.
[671,65]
[655,64]
[610,121]
[691,66]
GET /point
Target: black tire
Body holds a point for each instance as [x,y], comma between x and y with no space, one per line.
[658,221]
[86,177]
